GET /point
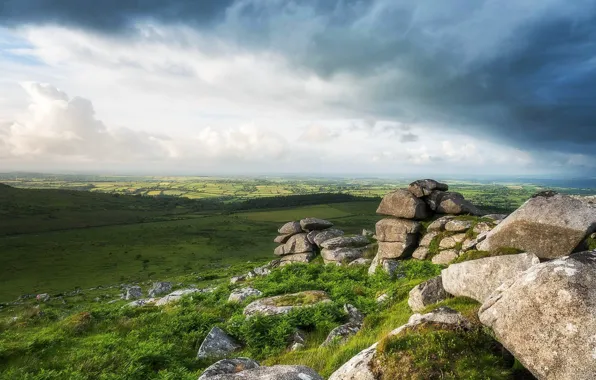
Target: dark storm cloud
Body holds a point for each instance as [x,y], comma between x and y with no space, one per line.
[521,72]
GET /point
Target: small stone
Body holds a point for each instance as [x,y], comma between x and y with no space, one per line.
[482,227]
[239,295]
[420,253]
[439,224]
[458,225]
[43,297]
[228,366]
[445,257]
[428,238]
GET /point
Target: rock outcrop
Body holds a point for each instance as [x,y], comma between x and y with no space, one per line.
[239,295]
[133,293]
[342,333]
[160,288]
[296,244]
[477,279]
[300,240]
[549,225]
[284,303]
[546,317]
[217,344]
[403,204]
[359,367]
[424,187]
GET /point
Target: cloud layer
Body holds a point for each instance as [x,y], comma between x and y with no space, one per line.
[428,84]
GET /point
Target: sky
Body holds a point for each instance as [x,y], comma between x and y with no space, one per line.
[378,87]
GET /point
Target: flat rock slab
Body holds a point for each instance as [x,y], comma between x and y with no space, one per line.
[277,372]
[547,225]
[346,241]
[309,224]
[456,225]
[424,187]
[304,258]
[342,255]
[403,204]
[477,279]
[284,303]
[319,237]
[546,317]
[217,344]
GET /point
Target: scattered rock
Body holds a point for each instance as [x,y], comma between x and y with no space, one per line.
[403,204]
[276,372]
[427,293]
[340,334]
[284,303]
[393,229]
[142,302]
[237,279]
[367,233]
[43,297]
[445,257]
[472,243]
[217,344]
[239,295]
[482,227]
[133,293]
[297,340]
[309,224]
[346,241]
[547,226]
[382,298]
[290,228]
[424,187]
[451,241]
[456,225]
[546,317]
[228,366]
[478,278]
[178,294]
[160,288]
[296,244]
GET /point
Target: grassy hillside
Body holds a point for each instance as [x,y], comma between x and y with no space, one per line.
[133,238]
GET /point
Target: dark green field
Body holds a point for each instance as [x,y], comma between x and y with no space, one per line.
[133,238]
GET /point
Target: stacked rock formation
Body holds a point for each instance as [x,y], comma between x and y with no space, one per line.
[300,239]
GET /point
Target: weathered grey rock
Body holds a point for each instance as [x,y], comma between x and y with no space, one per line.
[227,367]
[396,249]
[142,302]
[424,187]
[290,228]
[276,372]
[428,238]
[240,294]
[427,293]
[237,279]
[284,303]
[452,241]
[456,225]
[340,334]
[133,293]
[43,297]
[470,244]
[546,317]
[217,344]
[445,257]
[393,229]
[367,233]
[421,253]
[359,367]
[433,199]
[160,288]
[309,224]
[482,227]
[342,255]
[403,204]
[390,266]
[297,340]
[455,204]
[547,225]
[322,236]
[296,244]
[264,270]
[346,241]
[382,298]
[439,224]
[305,257]
[477,279]
[360,261]
[281,239]
[175,296]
